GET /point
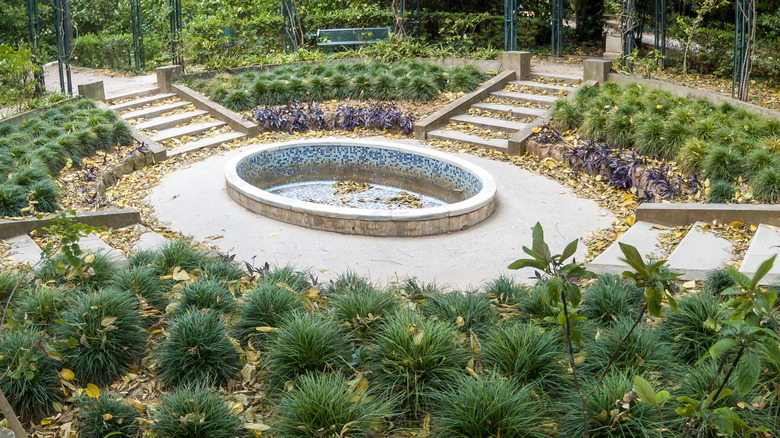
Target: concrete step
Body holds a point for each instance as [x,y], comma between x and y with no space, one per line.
[138,103]
[159,123]
[148,113]
[190,130]
[207,142]
[549,88]
[568,79]
[765,244]
[698,253]
[644,236]
[498,125]
[541,99]
[24,250]
[132,94]
[461,137]
[149,240]
[517,111]
[93,243]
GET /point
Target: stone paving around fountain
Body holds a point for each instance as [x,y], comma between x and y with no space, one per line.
[194,201]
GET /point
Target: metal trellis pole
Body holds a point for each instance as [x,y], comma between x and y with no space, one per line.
[510,25]
[744,22]
[627,27]
[659,36]
[35,44]
[63,45]
[557,27]
[175,22]
[138,35]
[289,23]
[416,18]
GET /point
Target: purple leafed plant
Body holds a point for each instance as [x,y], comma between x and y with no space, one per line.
[297,118]
[547,135]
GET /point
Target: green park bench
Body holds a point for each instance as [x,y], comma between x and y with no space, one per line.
[351,37]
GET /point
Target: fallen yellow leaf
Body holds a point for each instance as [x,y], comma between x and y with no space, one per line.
[93,391]
[67,374]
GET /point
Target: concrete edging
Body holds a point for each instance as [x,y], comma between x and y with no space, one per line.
[676,215]
[462,104]
[218,111]
[18,119]
[113,218]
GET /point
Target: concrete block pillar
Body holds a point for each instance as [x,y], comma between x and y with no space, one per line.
[93,90]
[520,62]
[596,70]
[166,76]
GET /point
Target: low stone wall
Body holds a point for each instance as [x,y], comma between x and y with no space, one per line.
[113,218]
[18,119]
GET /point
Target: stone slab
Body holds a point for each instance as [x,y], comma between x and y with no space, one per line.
[207,142]
[159,123]
[93,243]
[550,88]
[219,112]
[765,244]
[698,253]
[526,97]
[519,62]
[158,152]
[188,130]
[154,111]
[675,215]
[517,111]
[461,137]
[93,90]
[642,235]
[489,123]
[131,94]
[138,103]
[596,70]
[24,249]
[113,218]
[149,240]
[565,78]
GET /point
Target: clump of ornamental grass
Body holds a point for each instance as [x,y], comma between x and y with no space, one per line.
[361,86]
[296,89]
[195,411]
[721,163]
[607,418]
[12,199]
[348,282]
[197,349]
[12,283]
[222,269]
[143,282]
[758,160]
[298,281]
[566,115]
[692,328]
[207,294]
[45,195]
[594,124]
[766,186]
[692,155]
[505,290]
[121,134]
[317,89]
[363,309]
[420,89]
[339,86]
[262,312]
[328,404]
[525,353]
[40,306]
[610,298]
[98,271]
[721,192]
[383,87]
[469,311]
[674,136]
[28,176]
[705,128]
[107,416]
[490,406]
[717,281]
[178,253]
[31,384]
[415,356]
[620,126]
[536,304]
[460,81]
[415,290]
[306,343]
[644,350]
[143,258]
[238,100]
[107,324]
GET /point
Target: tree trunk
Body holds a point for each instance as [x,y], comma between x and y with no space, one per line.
[10,415]
[589,16]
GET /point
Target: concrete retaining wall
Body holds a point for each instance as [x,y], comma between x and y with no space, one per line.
[20,118]
[675,215]
[112,218]
[216,110]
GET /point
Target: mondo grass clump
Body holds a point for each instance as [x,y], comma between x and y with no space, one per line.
[505,290]
[144,282]
[41,306]
[287,276]
[30,381]
[107,324]
[178,253]
[262,312]
[766,187]
[306,343]
[692,329]
[720,192]
[413,357]
[107,416]
[363,308]
[328,404]
[644,349]
[207,294]
[97,272]
[197,349]
[223,269]
[611,298]
[196,411]
[469,311]
[490,406]
[717,281]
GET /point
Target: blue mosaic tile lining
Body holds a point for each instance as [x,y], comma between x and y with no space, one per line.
[281,163]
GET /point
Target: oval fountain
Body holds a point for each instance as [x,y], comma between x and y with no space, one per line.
[367,187]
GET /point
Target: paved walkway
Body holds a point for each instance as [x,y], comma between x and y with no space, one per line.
[195,202]
[114,83]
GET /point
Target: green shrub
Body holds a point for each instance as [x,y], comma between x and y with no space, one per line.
[196,411]
[121,134]
[721,192]
[688,327]
[416,291]
[537,305]
[32,384]
[505,290]
[348,282]
[526,354]
[107,416]
[107,324]
[265,306]
[490,406]
[420,89]
[415,356]
[722,163]
[675,135]
[306,343]
[766,187]
[469,311]
[329,405]
[363,308]
[594,124]
[706,127]
[197,349]
[144,282]
[620,126]
[207,294]
[339,86]
[611,298]
[41,306]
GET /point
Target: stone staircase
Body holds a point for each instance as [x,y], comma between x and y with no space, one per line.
[174,123]
[699,252]
[24,250]
[504,113]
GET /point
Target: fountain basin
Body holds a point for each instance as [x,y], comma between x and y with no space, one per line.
[463,194]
